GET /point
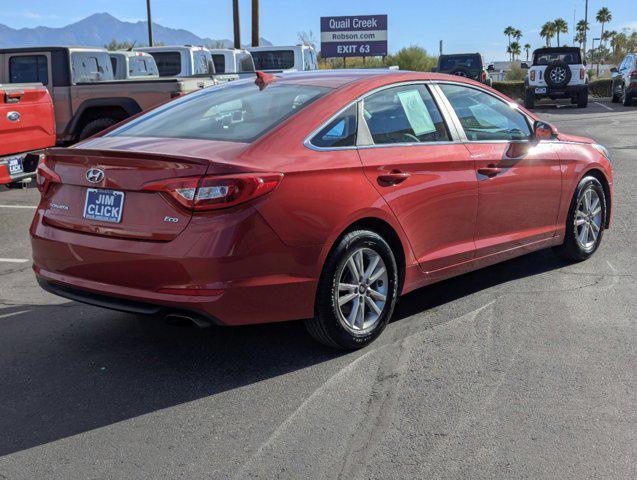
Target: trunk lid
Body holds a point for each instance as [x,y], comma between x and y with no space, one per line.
[127,164]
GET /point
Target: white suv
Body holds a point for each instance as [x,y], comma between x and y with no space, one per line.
[556,73]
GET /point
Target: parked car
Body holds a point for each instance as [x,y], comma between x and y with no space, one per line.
[128,64]
[233,60]
[557,73]
[284,59]
[317,196]
[86,97]
[624,80]
[27,127]
[468,65]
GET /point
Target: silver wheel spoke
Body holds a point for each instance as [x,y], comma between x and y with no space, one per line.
[594,205]
[595,228]
[347,286]
[359,264]
[587,200]
[360,318]
[596,211]
[351,265]
[377,274]
[347,298]
[351,319]
[372,304]
[370,269]
[377,295]
[583,235]
[580,218]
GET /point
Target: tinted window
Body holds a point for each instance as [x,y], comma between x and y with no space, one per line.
[340,132]
[114,65]
[237,111]
[484,117]
[273,60]
[141,67]
[203,62]
[91,67]
[245,63]
[404,114]
[220,63]
[28,69]
[468,61]
[571,57]
[168,63]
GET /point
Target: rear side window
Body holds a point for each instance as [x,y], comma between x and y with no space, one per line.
[91,67]
[485,117]
[203,62]
[273,60]
[220,63]
[168,63]
[28,69]
[114,65]
[340,132]
[237,111]
[140,67]
[245,63]
[406,114]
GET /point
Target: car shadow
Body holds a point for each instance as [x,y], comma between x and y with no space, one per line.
[70,368]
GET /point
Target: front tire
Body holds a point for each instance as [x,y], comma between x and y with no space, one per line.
[585,222]
[96,126]
[357,292]
[529,99]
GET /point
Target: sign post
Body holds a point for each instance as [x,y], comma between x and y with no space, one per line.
[355,36]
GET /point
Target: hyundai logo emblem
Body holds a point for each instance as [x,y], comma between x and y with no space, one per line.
[95,175]
[13,116]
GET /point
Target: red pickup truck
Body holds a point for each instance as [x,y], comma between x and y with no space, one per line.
[27,127]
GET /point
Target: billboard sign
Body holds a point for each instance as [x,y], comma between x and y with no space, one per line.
[357,36]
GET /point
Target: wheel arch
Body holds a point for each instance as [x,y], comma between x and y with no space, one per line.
[92,109]
[599,175]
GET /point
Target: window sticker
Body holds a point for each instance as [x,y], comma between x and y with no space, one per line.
[416,111]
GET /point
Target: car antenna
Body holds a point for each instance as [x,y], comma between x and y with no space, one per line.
[130,49]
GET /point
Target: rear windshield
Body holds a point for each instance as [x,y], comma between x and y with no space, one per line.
[236,112]
[468,61]
[273,60]
[544,58]
[168,63]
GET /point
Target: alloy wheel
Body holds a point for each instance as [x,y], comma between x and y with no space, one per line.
[362,288]
[588,219]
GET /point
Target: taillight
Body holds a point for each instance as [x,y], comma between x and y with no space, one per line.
[484,76]
[633,75]
[177,94]
[214,192]
[582,73]
[45,176]
[532,75]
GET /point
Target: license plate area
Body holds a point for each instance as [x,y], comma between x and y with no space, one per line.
[103,205]
[540,90]
[15,166]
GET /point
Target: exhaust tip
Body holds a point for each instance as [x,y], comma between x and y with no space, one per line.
[182,319]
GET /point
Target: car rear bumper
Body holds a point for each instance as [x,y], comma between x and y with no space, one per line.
[567,91]
[242,271]
[29,163]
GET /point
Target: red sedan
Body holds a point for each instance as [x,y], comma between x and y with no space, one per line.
[319,196]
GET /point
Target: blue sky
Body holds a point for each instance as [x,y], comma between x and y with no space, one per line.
[463,25]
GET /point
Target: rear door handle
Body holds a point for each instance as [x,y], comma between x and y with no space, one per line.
[489,171]
[394,177]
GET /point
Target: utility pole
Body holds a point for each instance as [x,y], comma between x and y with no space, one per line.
[150,24]
[585,27]
[440,47]
[237,27]
[255,23]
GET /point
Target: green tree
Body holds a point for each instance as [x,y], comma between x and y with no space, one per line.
[560,27]
[527,48]
[413,58]
[509,32]
[603,16]
[581,28]
[516,50]
[548,32]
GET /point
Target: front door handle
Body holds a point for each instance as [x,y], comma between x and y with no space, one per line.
[393,178]
[490,171]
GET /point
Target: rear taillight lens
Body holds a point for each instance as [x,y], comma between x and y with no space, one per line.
[582,73]
[484,76]
[214,192]
[633,75]
[45,176]
[532,75]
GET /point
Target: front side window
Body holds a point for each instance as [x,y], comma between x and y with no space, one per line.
[237,111]
[273,60]
[168,63]
[340,132]
[406,114]
[28,69]
[220,63]
[485,117]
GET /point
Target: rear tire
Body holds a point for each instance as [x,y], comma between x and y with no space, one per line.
[529,99]
[574,249]
[330,325]
[626,98]
[617,97]
[95,126]
[582,99]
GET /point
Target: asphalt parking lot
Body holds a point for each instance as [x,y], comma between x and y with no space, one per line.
[526,369]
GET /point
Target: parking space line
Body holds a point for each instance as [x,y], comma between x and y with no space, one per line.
[605,106]
[7,315]
[18,206]
[14,260]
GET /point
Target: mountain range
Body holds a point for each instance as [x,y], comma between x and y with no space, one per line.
[99,30]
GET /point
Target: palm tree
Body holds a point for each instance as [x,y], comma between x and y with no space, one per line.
[509,31]
[560,27]
[581,28]
[515,50]
[603,16]
[548,32]
[527,47]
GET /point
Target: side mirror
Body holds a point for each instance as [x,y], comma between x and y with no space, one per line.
[614,70]
[544,131]
[524,66]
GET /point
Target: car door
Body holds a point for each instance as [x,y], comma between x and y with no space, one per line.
[422,170]
[519,179]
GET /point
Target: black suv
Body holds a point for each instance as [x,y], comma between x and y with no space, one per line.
[467,65]
[625,80]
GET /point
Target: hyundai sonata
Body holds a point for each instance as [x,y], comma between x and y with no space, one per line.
[317,196]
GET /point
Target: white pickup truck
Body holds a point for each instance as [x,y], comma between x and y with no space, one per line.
[557,73]
[294,58]
[127,64]
[232,60]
